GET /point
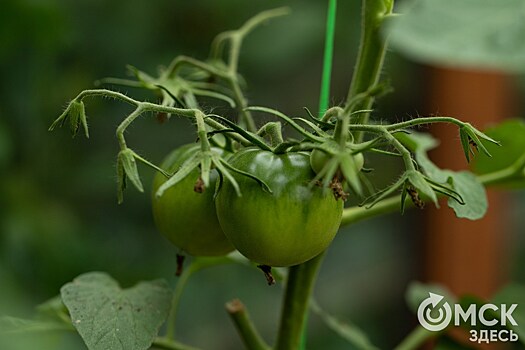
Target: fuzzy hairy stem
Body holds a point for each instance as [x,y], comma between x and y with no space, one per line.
[370,58]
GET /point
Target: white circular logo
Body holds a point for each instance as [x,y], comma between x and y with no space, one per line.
[439,322]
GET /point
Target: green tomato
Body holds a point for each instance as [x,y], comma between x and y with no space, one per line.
[185,217]
[319,158]
[287,227]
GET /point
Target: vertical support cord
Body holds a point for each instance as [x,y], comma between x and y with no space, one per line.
[324,96]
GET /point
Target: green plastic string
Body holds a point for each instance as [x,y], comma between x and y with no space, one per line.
[324,96]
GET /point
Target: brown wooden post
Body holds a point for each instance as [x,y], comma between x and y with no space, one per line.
[466,256]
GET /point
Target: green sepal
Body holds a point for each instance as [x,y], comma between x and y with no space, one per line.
[468,134]
[263,184]
[287,119]
[312,126]
[253,138]
[323,124]
[350,172]
[185,169]
[127,169]
[420,183]
[205,170]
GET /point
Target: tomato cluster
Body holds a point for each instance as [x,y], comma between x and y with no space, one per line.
[293,222]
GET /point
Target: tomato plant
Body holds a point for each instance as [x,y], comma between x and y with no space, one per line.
[288,226]
[185,213]
[275,196]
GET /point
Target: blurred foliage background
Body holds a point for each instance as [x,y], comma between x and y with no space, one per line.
[58,211]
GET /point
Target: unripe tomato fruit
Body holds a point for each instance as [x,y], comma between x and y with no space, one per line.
[287,227]
[319,158]
[187,218]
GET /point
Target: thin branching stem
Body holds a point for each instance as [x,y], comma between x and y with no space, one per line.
[250,336]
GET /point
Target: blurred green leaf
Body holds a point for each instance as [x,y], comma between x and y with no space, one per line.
[473,194]
[108,317]
[351,333]
[514,294]
[473,33]
[51,306]
[446,343]
[417,292]
[20,325]
[511,134]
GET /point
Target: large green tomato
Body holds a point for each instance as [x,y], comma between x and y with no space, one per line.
[187,218]
[287,227]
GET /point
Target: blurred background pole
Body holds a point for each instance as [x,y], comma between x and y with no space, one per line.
[467,256]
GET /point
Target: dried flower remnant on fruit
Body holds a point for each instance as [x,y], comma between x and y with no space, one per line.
[199,185]
[180,264]
[415,197]
[267,270]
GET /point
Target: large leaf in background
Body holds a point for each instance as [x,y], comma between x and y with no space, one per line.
[463,182]
[511,134]
[473,33]
[349,332]
[446,343]
[110,318]
[514,294]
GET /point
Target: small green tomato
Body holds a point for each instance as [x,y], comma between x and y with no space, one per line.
[185,217]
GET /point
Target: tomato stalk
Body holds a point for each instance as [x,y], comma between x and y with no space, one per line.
[370,59]
[250,336]
[298,293]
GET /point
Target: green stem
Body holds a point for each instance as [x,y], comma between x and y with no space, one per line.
[370,58]
[416,338]
[182,281]
[328,57]
[242,104]
[170,344]
[405,153]
[180,61]
[515,171]
[251,338]
[299,287]
[124,125]
[420,121]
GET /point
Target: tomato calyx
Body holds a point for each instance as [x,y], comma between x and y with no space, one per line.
[205,161]
[414,185]
[199,186]
[336,166]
